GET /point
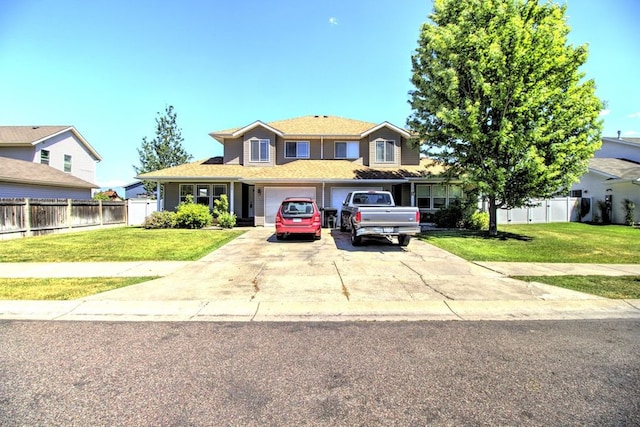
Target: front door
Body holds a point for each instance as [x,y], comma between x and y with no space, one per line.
[250,200]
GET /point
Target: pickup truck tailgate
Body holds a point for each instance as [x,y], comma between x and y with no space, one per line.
[381,216]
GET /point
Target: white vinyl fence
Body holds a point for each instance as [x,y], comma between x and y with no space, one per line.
[558,209]
[139,209]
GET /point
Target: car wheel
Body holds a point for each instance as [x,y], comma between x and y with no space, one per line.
[343,226]
[355,240]
[404,240]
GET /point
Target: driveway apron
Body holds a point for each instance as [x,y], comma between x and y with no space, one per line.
[256,267]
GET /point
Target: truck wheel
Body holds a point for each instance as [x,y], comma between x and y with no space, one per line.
[404,240]
[343,225]
[355,240]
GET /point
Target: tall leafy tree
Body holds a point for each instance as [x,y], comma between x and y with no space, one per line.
[163,151]
[499,98]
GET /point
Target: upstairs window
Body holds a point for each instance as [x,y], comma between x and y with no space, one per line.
[67,163]
[44,157]
[259,150]
[385,151]
[347,149]
[296,149]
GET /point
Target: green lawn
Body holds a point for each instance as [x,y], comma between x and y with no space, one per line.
[556,242]
[626,287]
[117,244]
[62,289]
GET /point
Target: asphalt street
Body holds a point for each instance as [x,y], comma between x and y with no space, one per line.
[534,373]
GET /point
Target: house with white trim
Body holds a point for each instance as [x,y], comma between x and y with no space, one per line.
[613,175]
[322,157]
[66,162]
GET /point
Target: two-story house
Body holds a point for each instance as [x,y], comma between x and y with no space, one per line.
[323,157]
[66,162]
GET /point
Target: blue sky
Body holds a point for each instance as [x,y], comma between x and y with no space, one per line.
[108,67]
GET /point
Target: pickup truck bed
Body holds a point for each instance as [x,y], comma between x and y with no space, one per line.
[374,214]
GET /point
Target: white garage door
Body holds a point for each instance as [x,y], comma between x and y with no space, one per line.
[273,196]
[338,194]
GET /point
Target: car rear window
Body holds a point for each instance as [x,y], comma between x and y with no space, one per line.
[371,199]
[297,208]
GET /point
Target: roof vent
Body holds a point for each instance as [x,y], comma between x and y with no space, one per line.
[619,134]
[37,127]
[326,117]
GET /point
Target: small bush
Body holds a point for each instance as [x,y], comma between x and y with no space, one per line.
[478,221]
[227,220]
[449,217]
[629,211]
[160,219]
[192,215]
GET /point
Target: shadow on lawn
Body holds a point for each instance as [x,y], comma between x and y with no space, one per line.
[477,235]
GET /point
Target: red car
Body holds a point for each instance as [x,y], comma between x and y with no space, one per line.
[298,215]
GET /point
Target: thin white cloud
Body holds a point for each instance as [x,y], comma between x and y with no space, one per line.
[333,20]
[604,113]
[630,133]
[634,115]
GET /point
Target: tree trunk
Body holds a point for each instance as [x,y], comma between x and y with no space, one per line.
[493,216]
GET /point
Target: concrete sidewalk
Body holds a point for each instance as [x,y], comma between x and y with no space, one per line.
[256,278]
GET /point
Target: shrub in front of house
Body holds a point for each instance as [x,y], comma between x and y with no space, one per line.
[160,219]
[221,212]
[227,220]
[478,221]
[193,215]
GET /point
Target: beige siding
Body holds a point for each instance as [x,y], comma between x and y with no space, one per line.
[315,149]
[259,205]
[330,149]
[409,155]
[233,152]
[386,134]
[259,133]
[171,196]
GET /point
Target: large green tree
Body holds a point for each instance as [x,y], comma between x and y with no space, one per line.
[499,98]
[165,150]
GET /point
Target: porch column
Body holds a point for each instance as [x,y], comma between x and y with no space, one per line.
[158,196]
[231,198]
[413,193]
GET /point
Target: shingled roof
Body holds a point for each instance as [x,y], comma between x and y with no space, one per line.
[11,136]
[299,170]
[23,172]
[615,168]
[310,126]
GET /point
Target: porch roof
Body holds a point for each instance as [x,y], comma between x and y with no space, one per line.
[298,170]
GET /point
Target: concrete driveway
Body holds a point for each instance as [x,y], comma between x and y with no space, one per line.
[258,268]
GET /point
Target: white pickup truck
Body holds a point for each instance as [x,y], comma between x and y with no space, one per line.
[374,214]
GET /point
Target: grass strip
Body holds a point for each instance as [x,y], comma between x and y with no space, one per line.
[615,287]
[117,244]
[555,242]
[63,288]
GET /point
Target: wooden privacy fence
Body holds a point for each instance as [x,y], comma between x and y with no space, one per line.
[33,217]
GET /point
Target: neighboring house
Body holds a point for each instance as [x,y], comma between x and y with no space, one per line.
[61,148]
[136,190]
[613,175]
[21,179]
[111,194]
[323,157]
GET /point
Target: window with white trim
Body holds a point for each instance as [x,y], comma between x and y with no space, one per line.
[205,194]
[385,151]
[347,149]
[44,157]
[436,196]
[67,163]
[259,150]
[296,149]
[185,191]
